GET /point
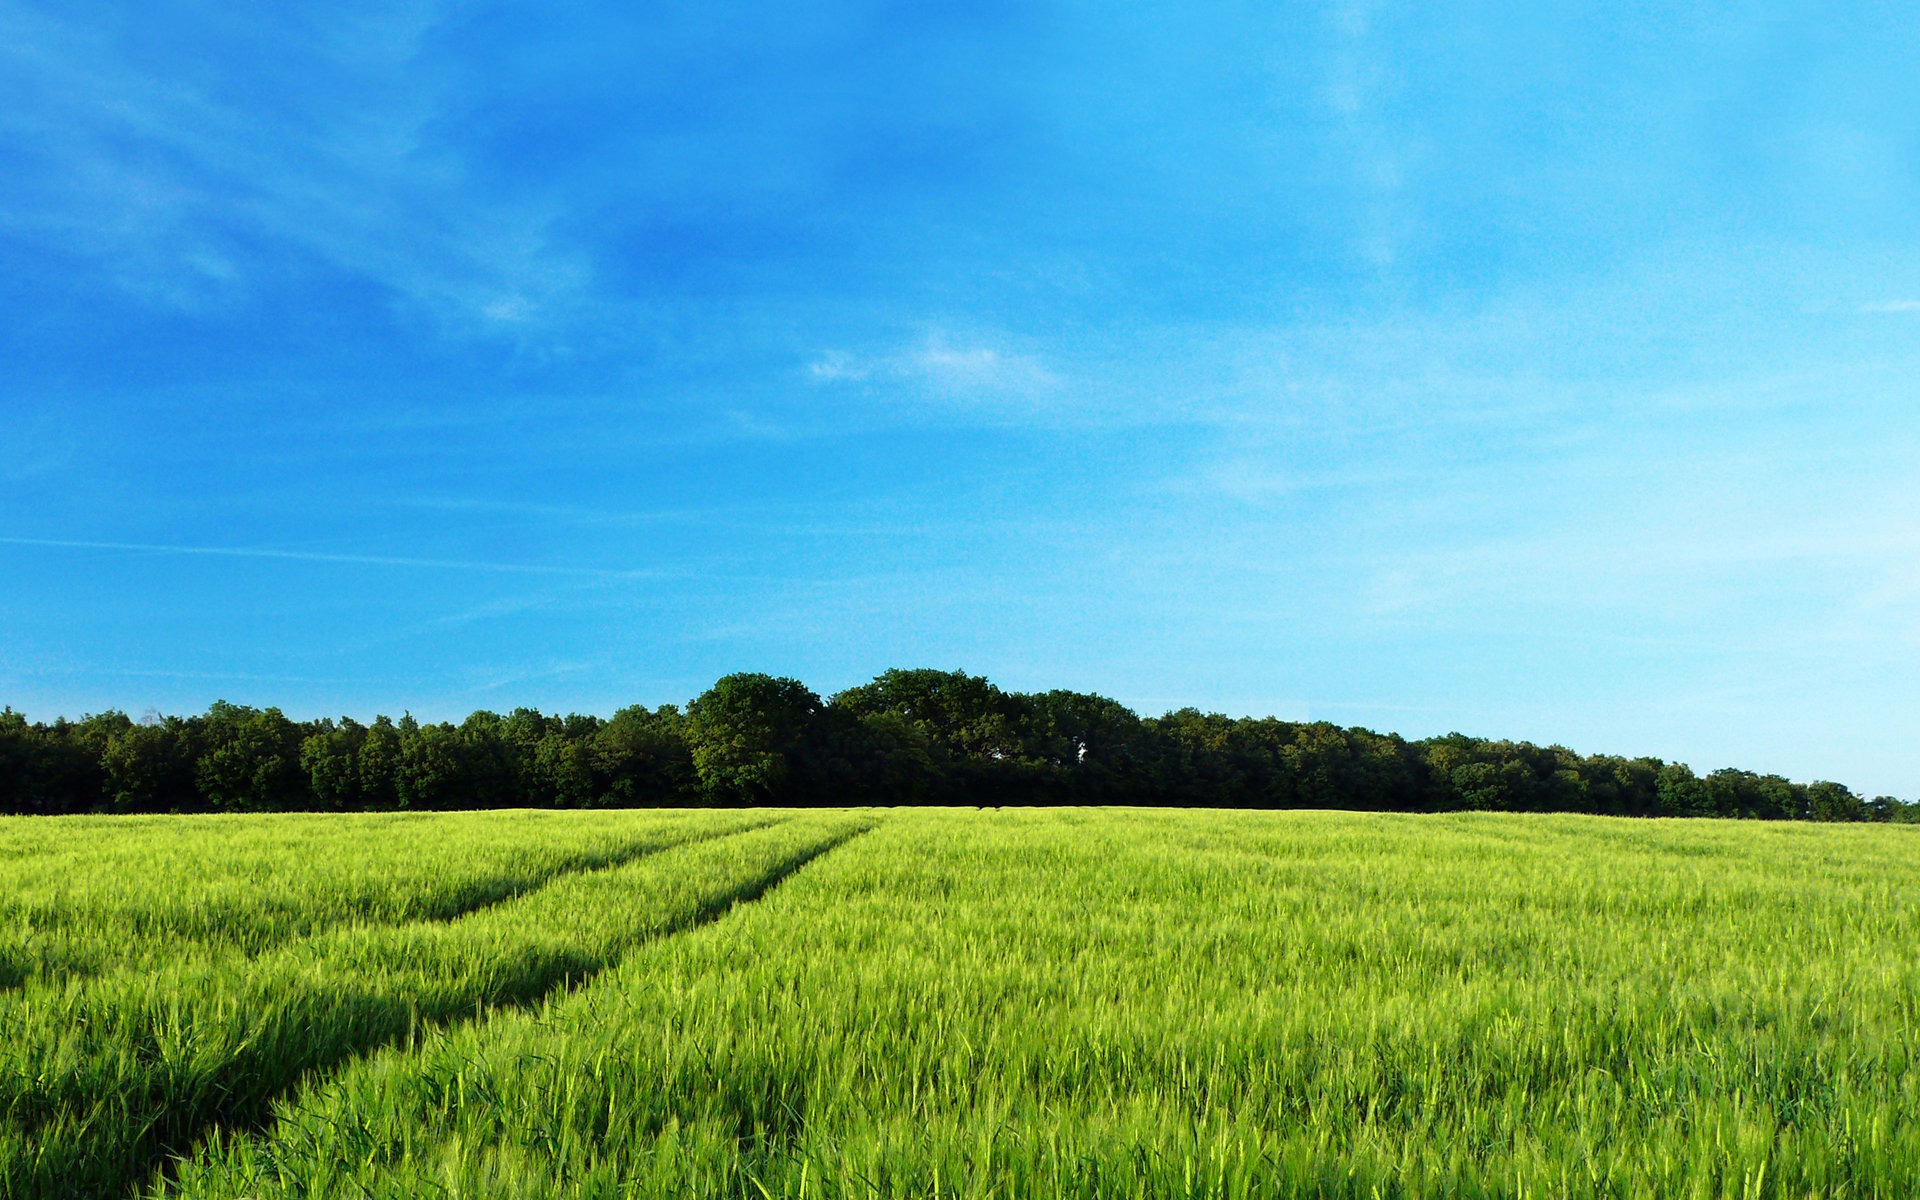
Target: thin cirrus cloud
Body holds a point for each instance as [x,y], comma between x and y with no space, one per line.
[955,368]
[196,190]
[358,560]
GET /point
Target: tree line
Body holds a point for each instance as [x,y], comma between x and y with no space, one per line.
[908,737]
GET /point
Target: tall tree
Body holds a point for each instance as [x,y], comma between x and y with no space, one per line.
[748,735]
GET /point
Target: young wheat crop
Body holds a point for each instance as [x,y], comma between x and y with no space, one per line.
[102,1076]
[1093,1003]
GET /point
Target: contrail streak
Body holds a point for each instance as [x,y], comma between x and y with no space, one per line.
[362,560]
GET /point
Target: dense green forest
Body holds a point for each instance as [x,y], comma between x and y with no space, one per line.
[909,737]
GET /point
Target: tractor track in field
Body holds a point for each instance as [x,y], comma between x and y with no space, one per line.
[609,862]
[255,1116]
[719,906]
[15,973]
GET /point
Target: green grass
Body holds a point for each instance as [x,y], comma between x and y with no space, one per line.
[101,1077]
[1073,1003]
[85,895]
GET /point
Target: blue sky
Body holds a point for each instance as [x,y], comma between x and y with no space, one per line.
[1533,371]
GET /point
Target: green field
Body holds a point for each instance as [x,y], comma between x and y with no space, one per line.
[1076,1002]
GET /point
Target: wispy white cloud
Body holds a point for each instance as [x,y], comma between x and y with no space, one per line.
[971,368]
[189,195]
[363,560]
[501,608]
[966,368]
[1891,306]
[581,514]
[480,685]
[1356,79]
[838,366]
